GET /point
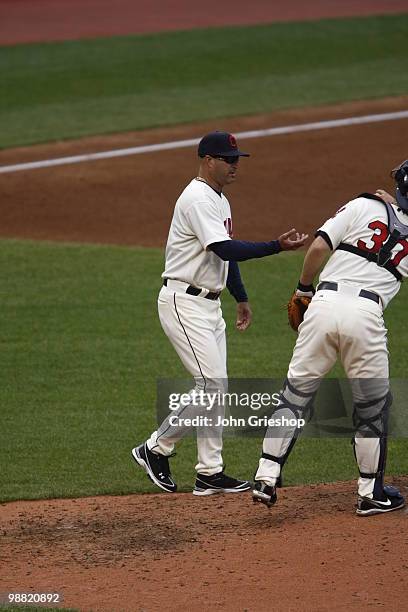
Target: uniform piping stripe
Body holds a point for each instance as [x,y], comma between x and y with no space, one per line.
[180,144]
[188,339]
[199,367]
[168,427]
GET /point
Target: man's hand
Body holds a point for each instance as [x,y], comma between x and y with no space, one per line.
[292,240]
[244,316]
[384,195]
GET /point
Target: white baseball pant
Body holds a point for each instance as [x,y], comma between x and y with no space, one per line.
[196,328]
[337,323]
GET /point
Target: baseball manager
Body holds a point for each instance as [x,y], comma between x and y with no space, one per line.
[201,260]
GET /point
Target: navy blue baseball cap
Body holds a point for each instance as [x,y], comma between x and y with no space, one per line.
[220,144]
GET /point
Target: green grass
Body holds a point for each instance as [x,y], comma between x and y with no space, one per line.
[76,88]
[81,350]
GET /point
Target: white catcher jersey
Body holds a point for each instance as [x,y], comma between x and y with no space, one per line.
[201,217]
[363,223]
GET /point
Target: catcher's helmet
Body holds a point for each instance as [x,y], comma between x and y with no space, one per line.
[400,175]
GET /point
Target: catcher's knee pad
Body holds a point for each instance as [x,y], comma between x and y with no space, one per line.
[298,395]
[371,418]
[292,403]
[370,441]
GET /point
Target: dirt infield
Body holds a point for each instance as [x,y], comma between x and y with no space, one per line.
[294,179]
[175,552]
[40,20]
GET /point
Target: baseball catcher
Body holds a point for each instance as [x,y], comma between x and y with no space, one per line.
[367,240]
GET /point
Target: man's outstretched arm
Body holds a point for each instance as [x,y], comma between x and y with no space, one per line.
[241,250]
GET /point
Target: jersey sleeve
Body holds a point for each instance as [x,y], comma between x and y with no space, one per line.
[207,224]
[337,226]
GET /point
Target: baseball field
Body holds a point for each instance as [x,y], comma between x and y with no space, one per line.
[320,98]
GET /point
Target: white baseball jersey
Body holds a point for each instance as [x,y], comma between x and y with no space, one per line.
[201,217]
[346,324]
[363,223]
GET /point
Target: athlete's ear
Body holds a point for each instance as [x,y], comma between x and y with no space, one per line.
[209,161]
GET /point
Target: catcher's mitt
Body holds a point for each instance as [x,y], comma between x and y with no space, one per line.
[297,307]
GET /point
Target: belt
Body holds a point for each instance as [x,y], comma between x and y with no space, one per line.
[369,295]
[191,290]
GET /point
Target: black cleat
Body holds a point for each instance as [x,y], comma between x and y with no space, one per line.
[156,467]
[219,483]
[264,494]
[390,500]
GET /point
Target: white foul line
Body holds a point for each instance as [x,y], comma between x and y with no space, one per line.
[180,144]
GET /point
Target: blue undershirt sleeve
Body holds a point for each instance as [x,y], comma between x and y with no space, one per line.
[241,250]
[234,283]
